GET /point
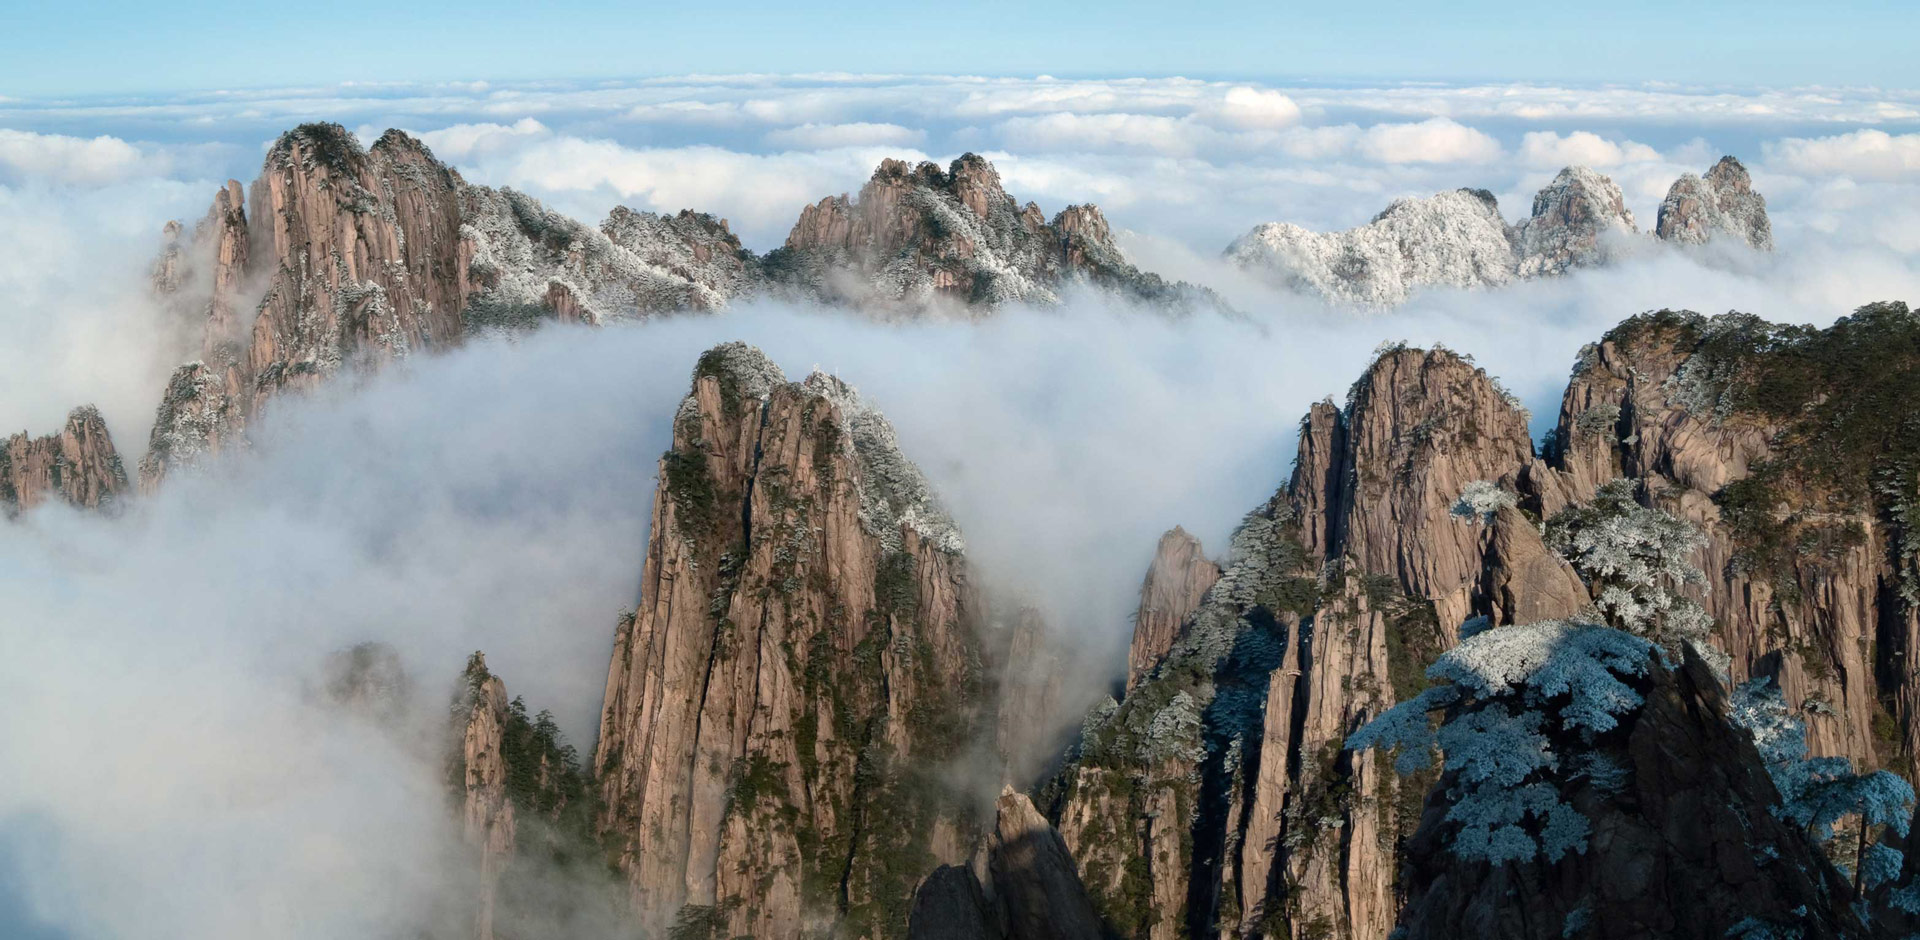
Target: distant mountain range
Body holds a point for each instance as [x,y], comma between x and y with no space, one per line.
[1459,239]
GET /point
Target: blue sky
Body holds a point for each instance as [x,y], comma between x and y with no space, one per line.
[124,46]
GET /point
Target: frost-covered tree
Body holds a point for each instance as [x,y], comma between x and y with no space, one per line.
[1508,694]
[1637,558]
[1481,501]
[1816,793]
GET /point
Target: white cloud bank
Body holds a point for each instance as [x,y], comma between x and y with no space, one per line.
[1867,154]
[1436,140]
[1548,150]
[62,159]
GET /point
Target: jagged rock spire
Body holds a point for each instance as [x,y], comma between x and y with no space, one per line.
[78,465]
[781,708]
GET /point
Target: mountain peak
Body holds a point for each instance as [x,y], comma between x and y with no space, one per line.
[1721,204]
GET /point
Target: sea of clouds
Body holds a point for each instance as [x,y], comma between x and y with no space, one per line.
[167,767]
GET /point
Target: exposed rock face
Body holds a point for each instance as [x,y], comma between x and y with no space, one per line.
[1034,878]
[1578,220]
[918,234]
[1452,239]
[1176,581]
[1406,515]
[1336,596]
[526,262]
[358,256]
[1720,205]
[78,465]
[1683,844]
[486,815]
[1145,801]
[196,418]
[1654,402]
[780,709]
[1030,892]
[1374,490]
[364,266]
[1523,581]
[170,270]
[526,809]
[353,257]
[224,233]
[1419,427]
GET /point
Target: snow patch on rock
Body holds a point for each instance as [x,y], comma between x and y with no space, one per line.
[1453,239]
[893,492]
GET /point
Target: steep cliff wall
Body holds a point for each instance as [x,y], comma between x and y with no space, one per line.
[1217,795]
[1790,448]
[803,665]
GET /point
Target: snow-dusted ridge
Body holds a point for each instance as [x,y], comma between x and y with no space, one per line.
[1459,239]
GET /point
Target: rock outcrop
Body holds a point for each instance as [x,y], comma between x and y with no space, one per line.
[1721,204]
[363,265]
[1733,424]
[534,865]
[345,256]
[1030,891]
[781,709]
[351,256]
[920,234]
[197,417]
[78,465]
[1216,796]
[1452,239]
[1579,220]
[1684,842]
[486,814]
[1419,427]
[526,263]
[1178,579]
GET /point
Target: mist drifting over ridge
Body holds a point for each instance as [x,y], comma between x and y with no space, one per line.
[496,497]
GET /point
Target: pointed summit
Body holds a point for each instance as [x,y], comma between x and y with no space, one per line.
[1720,205]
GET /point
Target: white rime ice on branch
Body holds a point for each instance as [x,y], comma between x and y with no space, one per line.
[1817,792]
[1512,691]
[1639,557]
[1481,501]
[1542,662]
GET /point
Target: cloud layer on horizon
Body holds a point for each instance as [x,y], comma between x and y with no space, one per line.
[1198,161]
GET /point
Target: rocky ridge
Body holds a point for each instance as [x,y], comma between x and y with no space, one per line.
[1720,205]
[1020,885]
[342,256]
[1218,794]
[78,465]
[1452,239]
[1459,239]
[920,234]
